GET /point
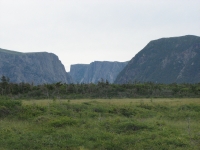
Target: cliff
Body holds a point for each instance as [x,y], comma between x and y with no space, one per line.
[37,68]
[95,71]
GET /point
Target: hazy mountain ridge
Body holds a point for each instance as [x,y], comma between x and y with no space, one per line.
[95,71]
[40,67]
[165,60]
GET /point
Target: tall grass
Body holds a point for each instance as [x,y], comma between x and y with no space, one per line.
[101,124]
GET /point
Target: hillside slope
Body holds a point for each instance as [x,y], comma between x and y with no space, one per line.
[166,60]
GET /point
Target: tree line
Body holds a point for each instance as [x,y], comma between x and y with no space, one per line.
[103,89]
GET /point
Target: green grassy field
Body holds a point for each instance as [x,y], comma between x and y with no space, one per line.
[100,124]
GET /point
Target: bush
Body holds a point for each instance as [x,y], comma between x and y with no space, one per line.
[190,107]
[29,112]
[131,126]
[127,112]
[10,103]
[63,121]
[4,111]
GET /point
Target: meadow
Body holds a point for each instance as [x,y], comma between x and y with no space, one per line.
[105,124]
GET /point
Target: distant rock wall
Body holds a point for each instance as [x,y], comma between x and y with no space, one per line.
[77,72]
[37,68]
[95,71]
[166,60]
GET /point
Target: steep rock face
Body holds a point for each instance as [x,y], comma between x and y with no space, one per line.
[68,78]
[165,60]
[77,72]
[41,67]
[95,71]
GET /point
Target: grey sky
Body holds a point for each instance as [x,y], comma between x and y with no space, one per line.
[82,31]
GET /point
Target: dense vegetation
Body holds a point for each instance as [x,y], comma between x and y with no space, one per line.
[100,90]
[100,124]
[148,123]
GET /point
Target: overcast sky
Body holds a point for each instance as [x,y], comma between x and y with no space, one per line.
[82,31]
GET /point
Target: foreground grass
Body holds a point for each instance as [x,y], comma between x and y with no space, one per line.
[101,124]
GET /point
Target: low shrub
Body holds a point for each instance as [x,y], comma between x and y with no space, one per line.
[4,111]
[190,107]
[29,112]
[63,121]
[10,103]
[131,126]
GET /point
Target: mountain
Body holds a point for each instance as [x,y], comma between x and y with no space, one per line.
[39,68]
[166,60]
[95,71]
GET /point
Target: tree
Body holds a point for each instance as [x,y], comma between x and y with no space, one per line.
[4,84]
